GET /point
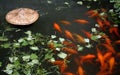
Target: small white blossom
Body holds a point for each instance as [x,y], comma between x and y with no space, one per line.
[80,2]
[98,36]
[88,6]
[30,63]
[87,40]
[34,48]
[35,61]
[28,32]
[93,30]
[62,55]
[13,59]
[88,45]
[111,10]
[9,66]
[57,49]
[97,25]
[8,71]
[30,38]
[26,58]
[115,25]
[53,36]
[20,40]
[55,41]
[102,14]
[52,60]
[66,3]
[94,0]
[61,40]
[49,2]
[80,48]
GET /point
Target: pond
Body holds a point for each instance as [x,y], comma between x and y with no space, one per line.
[71,37]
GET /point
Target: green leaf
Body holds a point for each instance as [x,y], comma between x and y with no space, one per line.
[94,38]
[0,64]
[16,45]
[6,45]
[33,56]
[3,38]
[49,55]
[24,43]
[15,73]
[34,48]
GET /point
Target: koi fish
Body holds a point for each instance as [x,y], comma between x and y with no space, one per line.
[87,58]
[70,50]
[100,57]
[68,73]
[65,22]
[88,34]
[63,67]
[110,48]
[111,64]
[115,31]
[58,62]
[107,55]
[80,71]
[93,13]
[81,21]
[117,42]
[79,38]
[107,23]
[57,27]
[68,34]
[100,23]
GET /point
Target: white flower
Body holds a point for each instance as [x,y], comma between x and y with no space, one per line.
[8,71]
[111,10]
[97,25]
[88,45]
[30,63]
[13,59]
[53,36]
[34,48]
[86,40]
[57,49]
[20,40]
[80,2]
[26,58]
[93,30]
[102,14]
[49,2]
[61,40]
[28,32]
[35,61]
[115,25]
[9,66]
[94,0]
[30,38]
[98,36]
[66,3]
[52,60]
[62,55]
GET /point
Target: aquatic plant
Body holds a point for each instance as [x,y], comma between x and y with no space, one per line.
[36,54]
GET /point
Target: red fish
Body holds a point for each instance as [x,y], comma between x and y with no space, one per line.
[88,34]
[100,23]
[63,67]
[107,23]
[68,73]
[58,62]
[115,31]
[68,34]
[109,47]
[93,13]
[65,22]
[57,27]
[87,58]
[79,38]
[111,64]
[80,71]
[70,50]
[100,57]
[117,42]
[107,55]
[81,21]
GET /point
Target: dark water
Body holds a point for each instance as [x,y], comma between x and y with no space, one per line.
[50,12]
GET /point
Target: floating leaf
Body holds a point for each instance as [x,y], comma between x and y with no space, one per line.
[6,45]
[0,64]
[33,56]
[35,48]
[3,38]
